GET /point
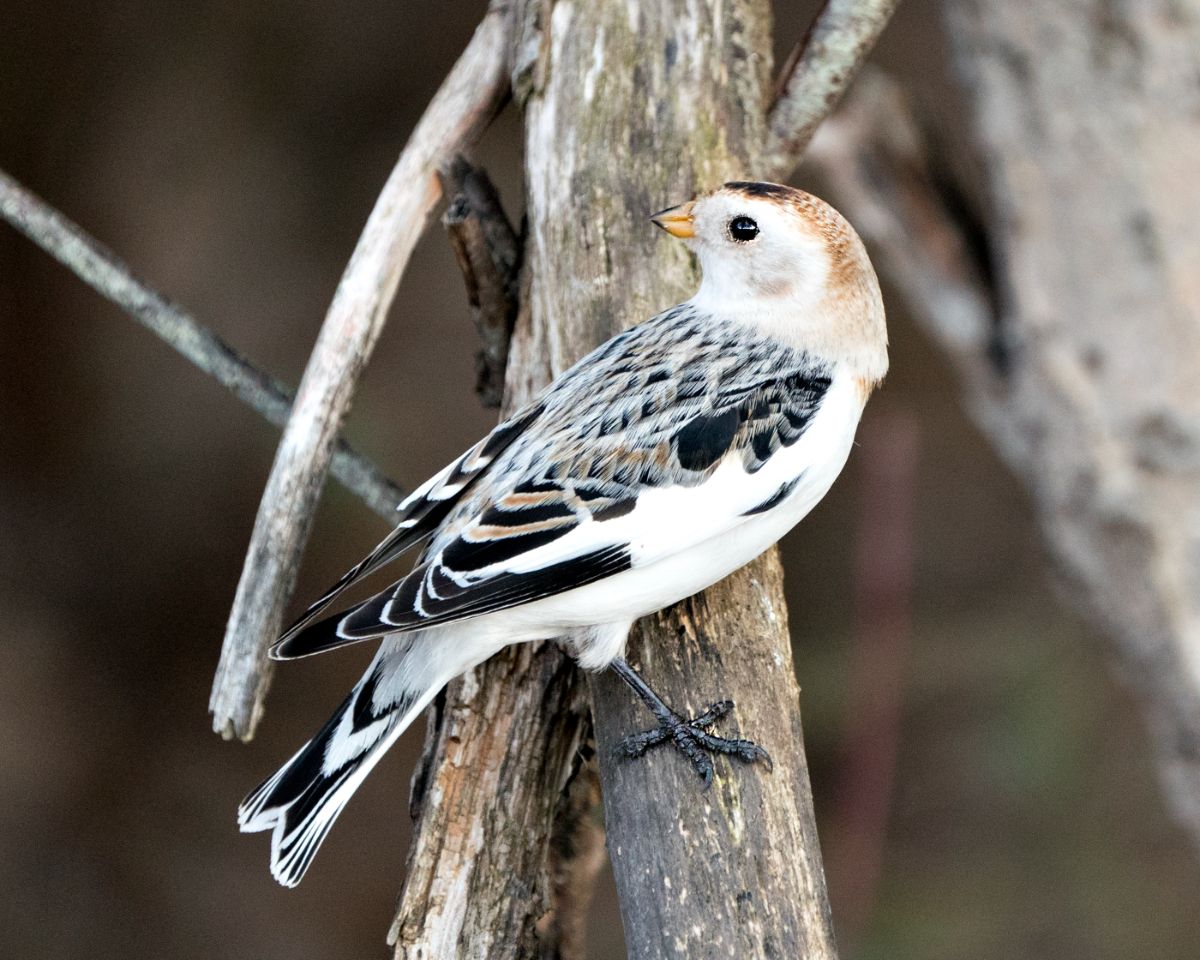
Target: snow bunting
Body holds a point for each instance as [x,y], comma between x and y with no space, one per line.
[662,461]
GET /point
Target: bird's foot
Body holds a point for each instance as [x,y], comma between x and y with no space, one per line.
[691,738]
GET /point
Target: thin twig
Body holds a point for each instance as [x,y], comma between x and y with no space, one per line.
[462,107]
[489,254]
[818,73]
[104,272]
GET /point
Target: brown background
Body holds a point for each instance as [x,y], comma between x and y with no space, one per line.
[230,152]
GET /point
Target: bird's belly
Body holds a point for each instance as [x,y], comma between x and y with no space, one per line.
[813,463]
[669,580]
[643,590]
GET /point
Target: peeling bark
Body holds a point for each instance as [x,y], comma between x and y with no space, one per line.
[477,881]
[488,251]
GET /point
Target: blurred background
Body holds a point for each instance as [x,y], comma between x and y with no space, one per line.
[983,784]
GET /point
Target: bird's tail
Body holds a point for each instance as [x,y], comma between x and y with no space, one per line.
[302,800]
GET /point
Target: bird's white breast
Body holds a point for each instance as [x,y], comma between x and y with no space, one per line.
[684,539]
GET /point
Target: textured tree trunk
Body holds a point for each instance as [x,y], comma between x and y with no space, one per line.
[1089,117]
[630,106]
[644,104]
[1078,341]
[502,748]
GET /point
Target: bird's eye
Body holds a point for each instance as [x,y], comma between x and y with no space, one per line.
[743,229]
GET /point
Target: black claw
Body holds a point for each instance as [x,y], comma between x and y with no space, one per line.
[692,740]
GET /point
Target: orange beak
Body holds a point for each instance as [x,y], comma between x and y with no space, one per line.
[677,221]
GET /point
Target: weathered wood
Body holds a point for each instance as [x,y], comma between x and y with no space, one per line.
[1079,359]
[488,251]
[465,103]
[644,104]
[734,871]
[477,881]
[817,74]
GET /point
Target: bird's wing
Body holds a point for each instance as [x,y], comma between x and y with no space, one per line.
[421,512]
[634,429]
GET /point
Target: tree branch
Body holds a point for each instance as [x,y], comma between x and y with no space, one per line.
[816,75]
[463,106]
[1096,297]
[104,272]
[489,254]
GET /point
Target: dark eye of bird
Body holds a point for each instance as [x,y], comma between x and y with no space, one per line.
[743,229]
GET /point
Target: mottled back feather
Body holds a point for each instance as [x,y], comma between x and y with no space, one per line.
[661,405]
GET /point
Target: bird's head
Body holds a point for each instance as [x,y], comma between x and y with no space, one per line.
[787,261]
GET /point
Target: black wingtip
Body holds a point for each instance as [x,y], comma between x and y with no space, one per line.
[287,649]
[312,639]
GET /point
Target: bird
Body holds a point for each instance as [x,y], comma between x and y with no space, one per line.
[662,461]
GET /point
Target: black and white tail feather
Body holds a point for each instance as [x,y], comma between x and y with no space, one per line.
[301,801]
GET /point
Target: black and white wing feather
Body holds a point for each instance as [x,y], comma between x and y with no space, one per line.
[659,408]
[419,516]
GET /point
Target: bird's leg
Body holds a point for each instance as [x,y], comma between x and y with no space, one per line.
[689,736]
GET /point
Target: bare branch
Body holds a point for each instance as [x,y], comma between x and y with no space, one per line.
[818,73]
[104,272]
[489,254]
[466,102]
